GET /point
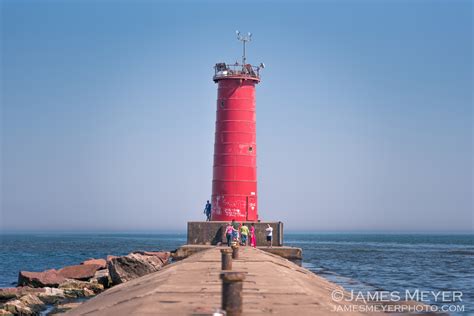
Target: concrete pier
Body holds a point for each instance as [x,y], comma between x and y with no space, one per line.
[192,286]
[290,253]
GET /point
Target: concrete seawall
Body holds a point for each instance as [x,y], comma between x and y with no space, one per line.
[213,233]
[272,285]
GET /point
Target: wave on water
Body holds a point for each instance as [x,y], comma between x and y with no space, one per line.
[345,282]
[462,252]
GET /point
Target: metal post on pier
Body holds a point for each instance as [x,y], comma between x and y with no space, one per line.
[235,252]
[232,285]
[226,258]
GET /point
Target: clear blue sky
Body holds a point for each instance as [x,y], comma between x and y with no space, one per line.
[364,113]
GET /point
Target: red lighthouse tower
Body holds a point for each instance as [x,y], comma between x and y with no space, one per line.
[234,182]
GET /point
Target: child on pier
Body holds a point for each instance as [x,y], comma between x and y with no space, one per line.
[235,234]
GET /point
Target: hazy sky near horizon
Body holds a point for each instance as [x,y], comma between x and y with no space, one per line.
[364,113]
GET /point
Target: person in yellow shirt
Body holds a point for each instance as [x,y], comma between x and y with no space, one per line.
[244,232]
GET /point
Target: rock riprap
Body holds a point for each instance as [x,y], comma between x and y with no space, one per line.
[81,272]
[102,263]
[136,264]
[61,288]
[48,278]
[75,288]
[9,293]
[26,305]
[102,277]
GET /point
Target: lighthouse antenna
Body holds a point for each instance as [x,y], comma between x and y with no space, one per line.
[244,39]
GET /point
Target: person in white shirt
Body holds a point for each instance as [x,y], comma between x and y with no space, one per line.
[269,231]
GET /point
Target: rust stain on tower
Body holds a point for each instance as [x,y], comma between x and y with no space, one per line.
[234,182]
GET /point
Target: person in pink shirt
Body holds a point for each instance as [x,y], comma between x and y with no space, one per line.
[253,240]
[228,233]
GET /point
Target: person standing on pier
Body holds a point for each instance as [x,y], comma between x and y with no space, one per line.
[235,233]
[269,231]
[235,224]
[229,230]
[253,240]
[244,232]
[207,211]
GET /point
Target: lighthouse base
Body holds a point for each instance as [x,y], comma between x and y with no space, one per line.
[213,233]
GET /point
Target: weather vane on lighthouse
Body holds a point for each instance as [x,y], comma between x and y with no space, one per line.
[244,39]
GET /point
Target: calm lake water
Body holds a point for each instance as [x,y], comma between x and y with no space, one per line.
[364,262]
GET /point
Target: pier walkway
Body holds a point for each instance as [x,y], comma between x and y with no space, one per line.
[273,285]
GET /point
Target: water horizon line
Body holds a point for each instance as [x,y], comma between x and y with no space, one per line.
[184,232]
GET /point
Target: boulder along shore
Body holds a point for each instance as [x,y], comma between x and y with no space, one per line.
[56,291]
